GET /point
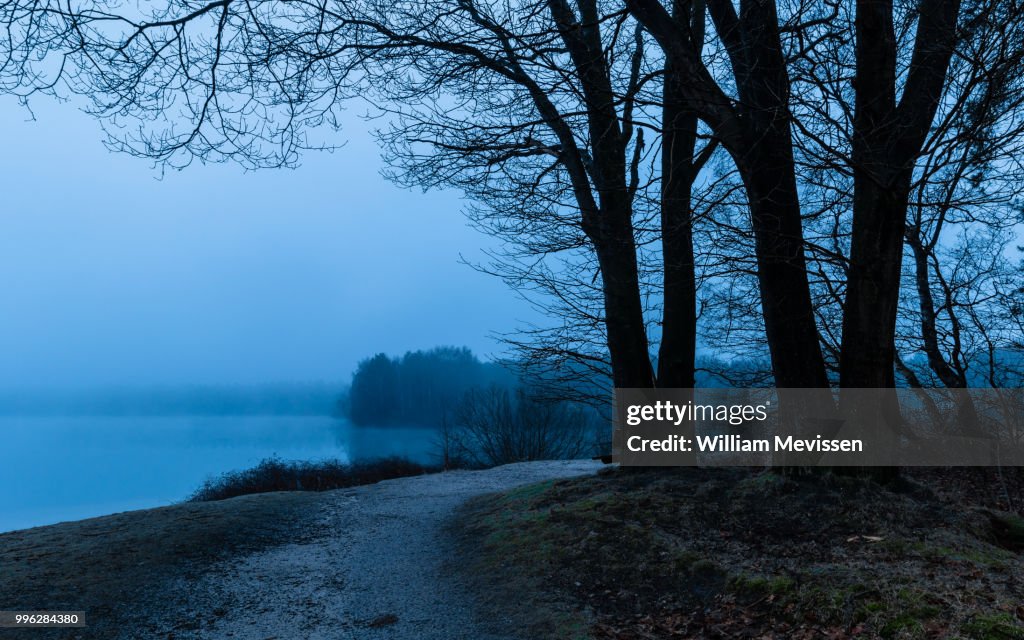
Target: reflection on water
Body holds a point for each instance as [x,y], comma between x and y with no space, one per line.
[54,469]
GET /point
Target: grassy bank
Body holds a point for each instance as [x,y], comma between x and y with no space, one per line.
[694,553]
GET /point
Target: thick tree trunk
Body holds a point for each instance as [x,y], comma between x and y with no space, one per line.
[790,327]
[624,318]
[887,138]
[873,287]
[608,222]
[868,352]
[768,167]
[679,317]
[880,191]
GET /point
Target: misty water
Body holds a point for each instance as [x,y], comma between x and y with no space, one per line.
[56,469]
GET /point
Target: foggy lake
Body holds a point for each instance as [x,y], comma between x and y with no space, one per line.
[57,469]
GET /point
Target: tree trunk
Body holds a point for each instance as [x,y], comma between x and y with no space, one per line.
[678,348]
[868,351]
[887,139]
[756,132]
[880,191]
[967,417]
[679,316]
[790,327]
[768,167]
[609,224]
[624,318]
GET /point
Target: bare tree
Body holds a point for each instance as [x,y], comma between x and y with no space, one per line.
[889,133]
[495,426]
[537,110]
[755,128]
[965,203]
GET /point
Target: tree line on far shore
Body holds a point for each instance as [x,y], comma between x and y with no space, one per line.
[486,413]
[418,388]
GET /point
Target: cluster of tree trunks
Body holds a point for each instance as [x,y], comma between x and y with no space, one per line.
[756,129]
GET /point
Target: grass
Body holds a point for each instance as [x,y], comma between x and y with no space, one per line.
[994,627]
[274,474]
[734,553]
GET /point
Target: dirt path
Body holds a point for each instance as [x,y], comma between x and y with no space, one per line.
[371,565]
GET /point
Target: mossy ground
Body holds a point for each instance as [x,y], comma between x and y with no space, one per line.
[723,553]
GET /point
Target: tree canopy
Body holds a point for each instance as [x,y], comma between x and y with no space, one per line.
[809,180]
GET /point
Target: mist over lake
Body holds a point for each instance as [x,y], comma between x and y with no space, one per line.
[59,468]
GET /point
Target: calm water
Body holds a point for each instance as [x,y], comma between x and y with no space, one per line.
[54,469]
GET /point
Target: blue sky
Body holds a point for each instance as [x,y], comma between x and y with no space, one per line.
[111,276]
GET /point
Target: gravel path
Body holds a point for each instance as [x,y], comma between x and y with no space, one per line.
[370,566]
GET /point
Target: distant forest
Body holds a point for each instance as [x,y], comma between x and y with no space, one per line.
[419,388]
[423,387]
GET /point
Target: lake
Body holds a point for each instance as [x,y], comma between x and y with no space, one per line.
[54,469]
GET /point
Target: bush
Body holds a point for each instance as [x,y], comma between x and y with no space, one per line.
[274,474]
[495,426]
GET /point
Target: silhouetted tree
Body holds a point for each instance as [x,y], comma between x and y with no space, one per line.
[755,128]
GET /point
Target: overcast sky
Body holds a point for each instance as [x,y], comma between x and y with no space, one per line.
[109,276]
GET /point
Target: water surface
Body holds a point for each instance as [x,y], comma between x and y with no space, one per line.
[54,469]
